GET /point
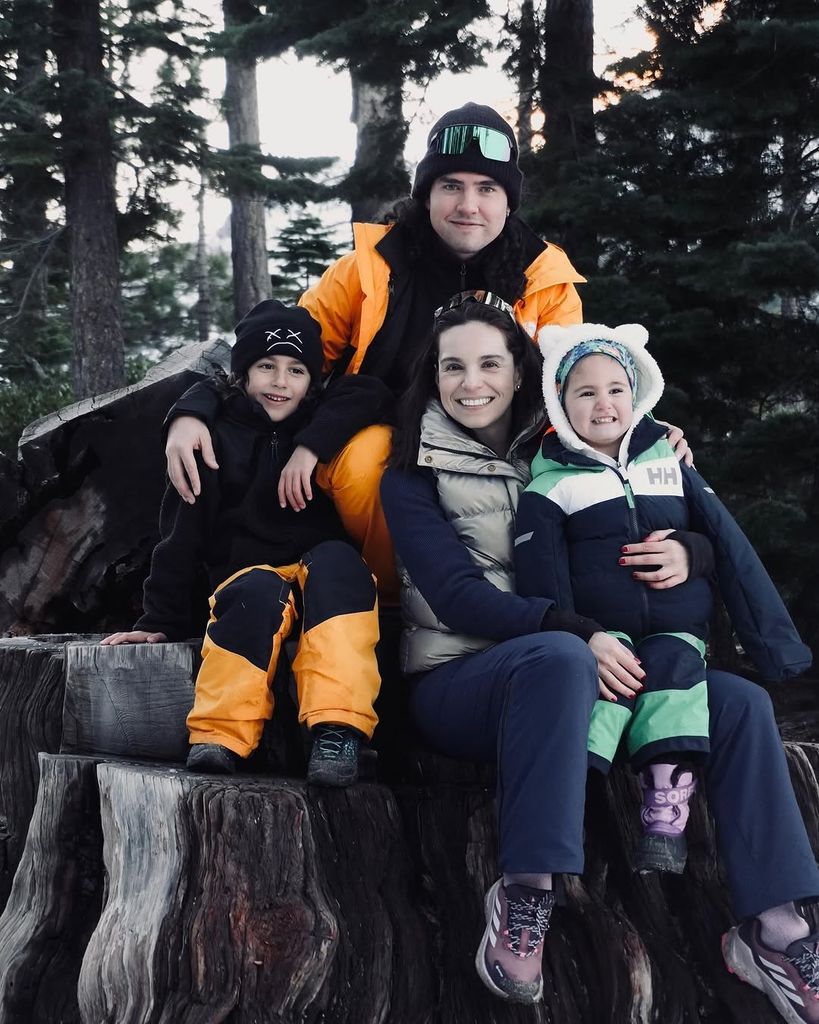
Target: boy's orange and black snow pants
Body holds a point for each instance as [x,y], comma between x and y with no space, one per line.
[253,612]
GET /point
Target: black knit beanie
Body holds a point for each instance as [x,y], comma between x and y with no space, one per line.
[434,165]
[272,328]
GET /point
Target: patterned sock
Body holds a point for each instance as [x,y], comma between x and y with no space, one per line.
[532,880]
[782,925]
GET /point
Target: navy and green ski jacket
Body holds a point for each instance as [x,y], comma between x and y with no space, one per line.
[576,515]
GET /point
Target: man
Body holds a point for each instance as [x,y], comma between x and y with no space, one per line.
[458,231]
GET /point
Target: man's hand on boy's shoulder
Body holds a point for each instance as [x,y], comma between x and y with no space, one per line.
[295,487]
[134,636]
[188,435]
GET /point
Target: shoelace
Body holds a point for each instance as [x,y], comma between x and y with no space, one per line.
[807,964]
[330,740]
[532,914]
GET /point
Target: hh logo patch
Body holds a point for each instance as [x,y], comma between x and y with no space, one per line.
[661,476]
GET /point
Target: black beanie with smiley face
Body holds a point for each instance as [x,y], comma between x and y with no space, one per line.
[273,329]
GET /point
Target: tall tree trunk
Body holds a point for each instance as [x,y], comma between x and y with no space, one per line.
[567,89]
[526,74]
[248,226]
[379,175]
[202,271]
[90,203]
[28,234]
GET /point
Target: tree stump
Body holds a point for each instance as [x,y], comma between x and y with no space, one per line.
[31,696]
[55,901]
[223,904]
[259,899]
[127,700]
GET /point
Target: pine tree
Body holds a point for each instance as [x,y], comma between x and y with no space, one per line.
[383,44]
[561,174]
[705,203]
[303,252]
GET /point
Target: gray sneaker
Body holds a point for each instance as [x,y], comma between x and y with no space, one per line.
[510,956]
[334,757]
[212,758]
[790,979]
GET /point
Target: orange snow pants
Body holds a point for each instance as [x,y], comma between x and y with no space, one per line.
[253,612]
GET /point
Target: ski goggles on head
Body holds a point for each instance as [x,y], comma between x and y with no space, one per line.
[475,295]
[457,138]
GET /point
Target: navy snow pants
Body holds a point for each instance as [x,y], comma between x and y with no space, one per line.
[527,704]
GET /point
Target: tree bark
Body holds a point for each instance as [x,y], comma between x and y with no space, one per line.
[31,698]
[60,880]
[526,75]
[203,305]
[29,235]
[90,201]
[379,176]
[567,90]
[248,224]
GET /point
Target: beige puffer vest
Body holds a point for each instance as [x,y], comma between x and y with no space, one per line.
[478,492]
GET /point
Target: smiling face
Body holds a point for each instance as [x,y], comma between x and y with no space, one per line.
[467,211]
[598,402]
[476,381]
[278,384]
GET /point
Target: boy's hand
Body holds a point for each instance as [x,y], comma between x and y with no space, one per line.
[618,670]
[655,549]
[135,636]
[677,440]
[187,435]
[295,489]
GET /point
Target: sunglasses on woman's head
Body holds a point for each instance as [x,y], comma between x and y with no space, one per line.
[457,138]
[479,295]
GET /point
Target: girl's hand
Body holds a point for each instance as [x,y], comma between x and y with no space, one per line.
[135,636]
[295,488]
[677,440]
[655,549]
[617,669]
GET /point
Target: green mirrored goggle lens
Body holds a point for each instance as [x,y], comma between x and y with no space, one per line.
[456,140]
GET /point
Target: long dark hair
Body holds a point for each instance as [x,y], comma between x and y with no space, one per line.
[527,404]
[504,266]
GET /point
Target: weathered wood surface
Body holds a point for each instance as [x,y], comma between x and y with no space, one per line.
[76,538]
[129,700]
[55,901]
[362,905]
[31,696]
[252,900]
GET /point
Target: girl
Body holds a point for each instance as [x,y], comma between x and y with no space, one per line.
[604,477]
[269,564]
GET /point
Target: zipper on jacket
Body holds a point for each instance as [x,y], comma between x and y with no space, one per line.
[463,277]
[635,532]
[274,448]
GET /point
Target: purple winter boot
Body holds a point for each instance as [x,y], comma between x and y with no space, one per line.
[667,789]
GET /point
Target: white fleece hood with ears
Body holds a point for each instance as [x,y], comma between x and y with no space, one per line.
[556,341]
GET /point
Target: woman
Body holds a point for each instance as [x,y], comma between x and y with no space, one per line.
[498,676]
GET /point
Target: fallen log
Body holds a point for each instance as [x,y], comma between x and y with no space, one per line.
[76,538]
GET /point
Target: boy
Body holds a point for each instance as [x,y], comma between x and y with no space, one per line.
[268,564]
[606,477]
